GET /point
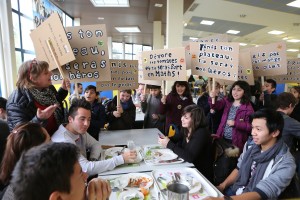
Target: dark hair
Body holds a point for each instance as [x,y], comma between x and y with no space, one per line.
[274,119]
[91,87]
[285,99]
[297,88]
[245,86]
[127,91]
[272,82]
[197,116]
[22,138]
[3,102]
[78,84]
[43,170]
[256,88]
[76,104]
[187,92]
[153,87]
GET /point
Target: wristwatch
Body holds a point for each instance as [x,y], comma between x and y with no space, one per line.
[227,198]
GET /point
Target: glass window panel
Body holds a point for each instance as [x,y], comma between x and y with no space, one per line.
[16,29]
[117,47]
[128,56]
[147,48]
[27,26]
[117,56]
[26,8]
[69,21]
[28,56]
[128,48]
[14,4]
[18,59]
[137,48]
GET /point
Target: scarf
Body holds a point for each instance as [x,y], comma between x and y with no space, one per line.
[262,160]
[46,97]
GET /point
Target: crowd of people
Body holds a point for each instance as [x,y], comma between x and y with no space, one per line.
[245,142]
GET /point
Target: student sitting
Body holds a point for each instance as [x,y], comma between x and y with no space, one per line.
[264,169]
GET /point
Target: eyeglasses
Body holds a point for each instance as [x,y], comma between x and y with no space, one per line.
[34,61]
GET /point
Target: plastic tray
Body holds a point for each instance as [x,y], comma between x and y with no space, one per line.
[167,174]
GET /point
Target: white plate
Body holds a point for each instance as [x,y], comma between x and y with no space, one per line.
[163,154]
[125,179]
[115,151]
[130,194]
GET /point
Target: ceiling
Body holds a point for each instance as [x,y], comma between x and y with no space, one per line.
[253,18]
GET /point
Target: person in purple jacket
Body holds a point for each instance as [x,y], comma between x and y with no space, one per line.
[173,104]
[235,125]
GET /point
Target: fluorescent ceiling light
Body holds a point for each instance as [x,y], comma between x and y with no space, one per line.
[294,4]
[128,29]
[206,22]
[101,18]
[193,38]
[233,32]
[275,32]
[159,5]
[292,50]
[294,40]
[243,44]
[110,3]
[285,38]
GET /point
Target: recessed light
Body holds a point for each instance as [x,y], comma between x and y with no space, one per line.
[193,38]
[110,3]
[233,32]
[207,22]
[294,4]
[128,29]
[243,44]
[159,5]
[185,24]
[294,40]
[292,50]
[275,32]
[101,18]
[285,38]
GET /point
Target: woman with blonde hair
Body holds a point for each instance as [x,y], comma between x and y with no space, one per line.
[36,99]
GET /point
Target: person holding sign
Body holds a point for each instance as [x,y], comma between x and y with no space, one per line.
[36,99]
[173,104]
[296,112]
[268,97]
[98,111]
[121,117]
[150,107]
[195,144]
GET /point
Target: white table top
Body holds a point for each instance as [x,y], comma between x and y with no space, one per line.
[140,137]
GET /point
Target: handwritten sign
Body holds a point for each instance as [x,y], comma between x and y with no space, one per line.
[53,30]
[293,73]
[217,60]
[89,45]
[269,60]
[164,64]
[141,74]
[124,75]
[245,72]
[56,77]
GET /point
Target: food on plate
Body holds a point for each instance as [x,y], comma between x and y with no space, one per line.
[138,181]
[145,191]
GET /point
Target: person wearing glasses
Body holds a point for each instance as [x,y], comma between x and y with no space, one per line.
[36,99]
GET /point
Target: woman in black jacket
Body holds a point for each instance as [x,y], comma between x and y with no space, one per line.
[195,145]
[36,99]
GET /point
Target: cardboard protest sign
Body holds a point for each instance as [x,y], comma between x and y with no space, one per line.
[56,77]
[213,38]
[124,75]
[89,45]
[141,75]
[217,60]
[164,64]
[293,73]
[245,72]
[52,30]
[269,60]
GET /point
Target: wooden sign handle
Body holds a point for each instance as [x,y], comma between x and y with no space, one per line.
[262,78]
[118,98]
[213,100]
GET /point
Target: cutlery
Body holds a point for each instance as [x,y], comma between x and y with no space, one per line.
[169,161]
[110,146]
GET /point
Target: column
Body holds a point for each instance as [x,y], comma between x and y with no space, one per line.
[157,35]
[174,29]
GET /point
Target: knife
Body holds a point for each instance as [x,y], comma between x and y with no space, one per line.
[169,161]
